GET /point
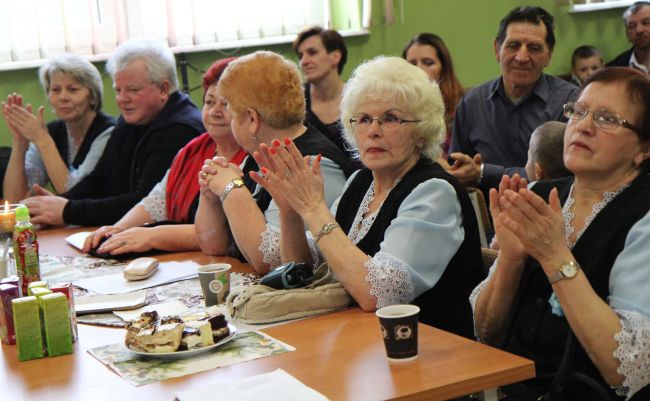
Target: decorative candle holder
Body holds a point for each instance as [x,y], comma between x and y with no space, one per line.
[7,221]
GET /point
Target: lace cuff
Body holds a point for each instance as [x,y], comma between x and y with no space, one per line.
[270,247]
[474,295]
[389,279]
[633,352]
[156,202]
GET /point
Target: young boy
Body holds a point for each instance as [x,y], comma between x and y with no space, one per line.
[545,152]
[585,61]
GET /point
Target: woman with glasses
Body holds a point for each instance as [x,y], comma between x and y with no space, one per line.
[403,230]
[569,288]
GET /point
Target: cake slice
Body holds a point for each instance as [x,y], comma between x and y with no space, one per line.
[197,334]
[148,334]
[219,327]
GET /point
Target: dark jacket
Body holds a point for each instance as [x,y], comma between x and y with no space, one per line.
[134,160]
[622,60]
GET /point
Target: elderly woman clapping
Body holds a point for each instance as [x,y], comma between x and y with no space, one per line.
[63,151]
[403,230]
[572,274]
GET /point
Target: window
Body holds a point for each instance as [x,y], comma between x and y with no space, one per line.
[579,6]
[33,30]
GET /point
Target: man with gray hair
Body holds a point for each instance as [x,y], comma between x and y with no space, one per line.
[637,29]
[156,121]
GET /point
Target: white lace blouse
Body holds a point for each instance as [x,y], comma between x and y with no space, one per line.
[629,296]
[416,247]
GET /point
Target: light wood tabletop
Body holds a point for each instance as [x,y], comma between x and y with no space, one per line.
[341,355]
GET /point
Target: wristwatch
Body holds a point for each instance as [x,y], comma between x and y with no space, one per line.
[235,183]
[567,270]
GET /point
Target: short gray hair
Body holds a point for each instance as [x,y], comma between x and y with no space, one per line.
[396,80]
[77,68]
[161,64]
[633,9]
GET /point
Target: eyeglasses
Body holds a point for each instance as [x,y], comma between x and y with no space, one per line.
[387,121]
[602,118]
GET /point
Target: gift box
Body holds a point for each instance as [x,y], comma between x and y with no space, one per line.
[68,290]
[8,292]
[56,323]
[35,284]
[27,326]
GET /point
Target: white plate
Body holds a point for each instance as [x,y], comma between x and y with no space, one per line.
[191,352]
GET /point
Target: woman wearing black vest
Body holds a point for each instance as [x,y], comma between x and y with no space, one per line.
[63,151]
[235,217]
[404,230]
[570,286]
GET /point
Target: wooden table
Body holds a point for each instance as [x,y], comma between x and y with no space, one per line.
[340,355]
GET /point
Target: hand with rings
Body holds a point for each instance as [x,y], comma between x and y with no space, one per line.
[293,181]
[94,239]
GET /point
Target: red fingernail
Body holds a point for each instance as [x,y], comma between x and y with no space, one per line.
[276,143]
[264,170]
[287,141]
[272,150]
[319,156]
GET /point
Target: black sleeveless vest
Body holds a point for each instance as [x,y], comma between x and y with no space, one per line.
[538,334]
[446,305]
[309,143]
[59,134]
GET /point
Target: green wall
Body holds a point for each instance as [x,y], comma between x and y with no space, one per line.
[467,26]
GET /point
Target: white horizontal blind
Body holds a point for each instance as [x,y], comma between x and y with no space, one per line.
[40,29]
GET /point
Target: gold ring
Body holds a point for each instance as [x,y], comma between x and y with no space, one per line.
[204,175]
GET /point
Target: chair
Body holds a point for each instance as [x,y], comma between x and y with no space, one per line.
[488,255]
[482,215]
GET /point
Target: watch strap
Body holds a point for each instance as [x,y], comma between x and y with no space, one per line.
[234,183]
[324,230]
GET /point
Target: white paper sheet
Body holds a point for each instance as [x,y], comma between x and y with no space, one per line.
[168,272]
[171,308]
[77,240]
[104,303]
[274,386]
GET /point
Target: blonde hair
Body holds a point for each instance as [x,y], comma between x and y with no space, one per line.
[397,81]
[268,83]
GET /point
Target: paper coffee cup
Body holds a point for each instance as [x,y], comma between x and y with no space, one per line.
[215,282]
[399,327]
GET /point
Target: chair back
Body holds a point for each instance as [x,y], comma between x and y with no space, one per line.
[482,214]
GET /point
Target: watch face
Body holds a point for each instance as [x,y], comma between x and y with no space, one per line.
[569,270]
[238,182]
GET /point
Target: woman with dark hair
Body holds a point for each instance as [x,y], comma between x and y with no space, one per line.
[429,52]
[322,55]
[64,151]
[176,198]
[569,288]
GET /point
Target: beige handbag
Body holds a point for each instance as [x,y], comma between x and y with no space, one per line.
[259,304]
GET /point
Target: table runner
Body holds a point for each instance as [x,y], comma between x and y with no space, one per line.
[139,370]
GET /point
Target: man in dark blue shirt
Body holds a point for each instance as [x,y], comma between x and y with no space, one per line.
[495,120]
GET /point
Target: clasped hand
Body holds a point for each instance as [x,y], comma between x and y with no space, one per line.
[524,222]
[215,174]
[294,181]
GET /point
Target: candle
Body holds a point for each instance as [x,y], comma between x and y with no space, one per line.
[7,218]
